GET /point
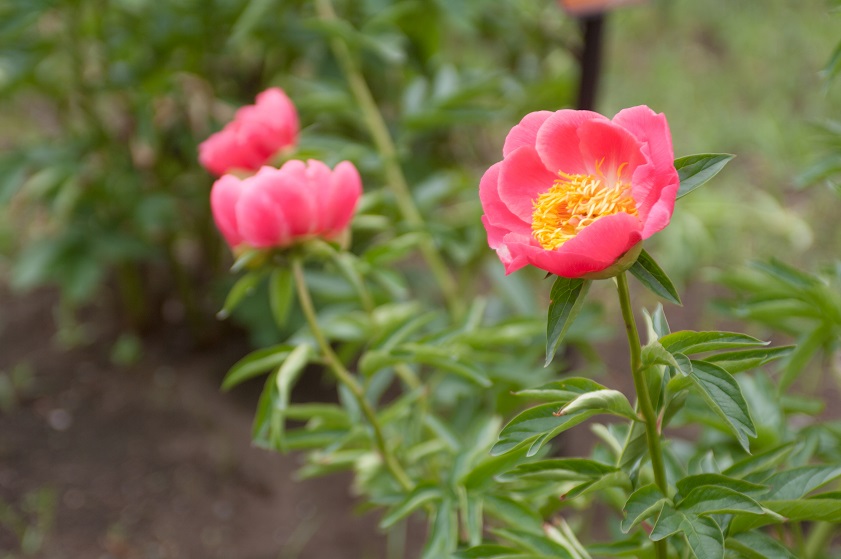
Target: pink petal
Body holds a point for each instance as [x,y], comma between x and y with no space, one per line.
[558,143]
[609,146]
[594,249]
[341,194]
[525,133]
[522,178]
[223,201]
[497,241]
[495,210]
[261,214]
[651,129]
[655,185]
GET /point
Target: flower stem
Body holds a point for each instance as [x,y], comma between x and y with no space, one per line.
[394,173]
[345,377]
[643,397]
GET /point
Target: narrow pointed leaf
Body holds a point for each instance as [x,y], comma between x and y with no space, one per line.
[711,499]
[280,294]
[745,360]
[562,390]
[689,341]
[567,297]
[756,545]
[687,484]
[695,170]
[243,287]
[562,469]
[537,425]
[256,363]
[419,496]
[643,503]
[759,462]
[646,270]
[603,401]
[723,395]
[797,482]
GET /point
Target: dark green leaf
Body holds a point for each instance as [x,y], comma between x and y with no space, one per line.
[256,363]
[419,496]
[602,401]
[514,513]
[689,483]
[701,533]
[281,291]
[695,170]
[723,395]
[744,360]
[756,545]
[689,341]
[712,499]
[643,503]
[537,425]
[562,469]
[759,462]
[567,297]
[646,270]
[563,391]
[797,482]
[241,289]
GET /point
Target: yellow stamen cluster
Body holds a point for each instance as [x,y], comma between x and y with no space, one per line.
[573,203]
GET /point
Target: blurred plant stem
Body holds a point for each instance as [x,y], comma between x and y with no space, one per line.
[345,377]
[643,397]
[818,540]
[394,173]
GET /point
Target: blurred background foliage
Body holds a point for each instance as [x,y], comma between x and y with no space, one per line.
[105,102]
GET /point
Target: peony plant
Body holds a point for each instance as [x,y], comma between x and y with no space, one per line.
[450,408]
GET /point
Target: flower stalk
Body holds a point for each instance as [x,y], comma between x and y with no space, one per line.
[345,377]
[646,406]
[393,172]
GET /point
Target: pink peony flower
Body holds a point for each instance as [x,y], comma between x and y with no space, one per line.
[256,134]
[276,208]
[575,191]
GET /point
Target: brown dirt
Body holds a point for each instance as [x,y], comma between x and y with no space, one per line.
[152,461]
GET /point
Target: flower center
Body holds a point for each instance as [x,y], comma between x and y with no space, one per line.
[573,203]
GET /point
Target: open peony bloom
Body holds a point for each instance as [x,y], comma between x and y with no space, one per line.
[576,192]
[276,208]
[256,134]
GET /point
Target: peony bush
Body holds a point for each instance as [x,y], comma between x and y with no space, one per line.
[452,411]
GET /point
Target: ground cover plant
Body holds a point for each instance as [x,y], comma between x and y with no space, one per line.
[453,303]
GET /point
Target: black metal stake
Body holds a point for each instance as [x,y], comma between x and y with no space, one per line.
[592,27]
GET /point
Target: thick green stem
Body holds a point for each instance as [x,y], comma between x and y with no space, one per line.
[643,397]
[391,163]
[345,377]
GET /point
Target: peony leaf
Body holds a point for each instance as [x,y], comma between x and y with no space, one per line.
[723,395]
[562,469]
[701,533]
[689,341]
[797,482]
[603,401]
[646,270]
[695,170]
[714,499]
[419,496]
[687,484]
[537,425]
[256,363]
[567,297]
[281,293]
[243,287]
[756,545]
[744,360]
[643,503]
[564,391]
